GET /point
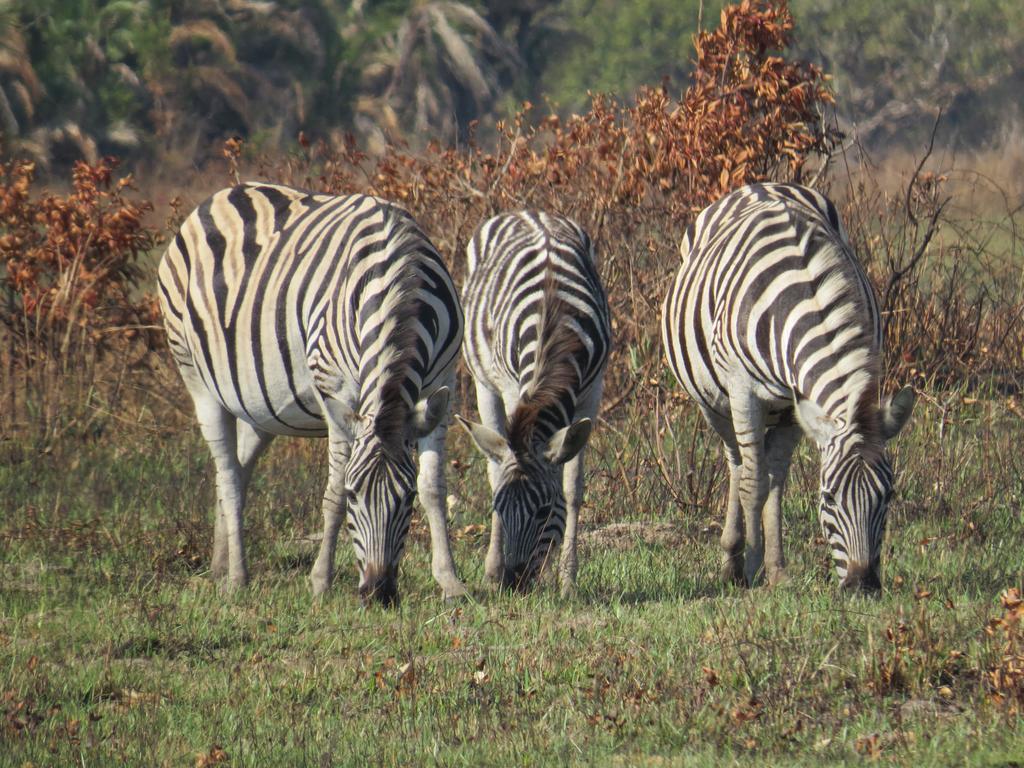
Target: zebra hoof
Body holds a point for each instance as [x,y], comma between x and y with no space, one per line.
[732,572]
[320,586]
[320,581]
[455,595]
[233,586]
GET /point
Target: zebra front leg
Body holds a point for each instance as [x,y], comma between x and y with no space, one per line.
[219,430]
[748,425]
[334,510]
[432,489]
[250,443]
[779,445]
[492,414]
[572,486]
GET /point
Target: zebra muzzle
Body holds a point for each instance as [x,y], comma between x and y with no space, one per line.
[862,578]
[517,578]
[379,585]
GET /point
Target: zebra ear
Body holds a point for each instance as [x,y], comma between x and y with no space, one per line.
[569,441]
[428,413]
[490,443]
[815,422]
[896,412]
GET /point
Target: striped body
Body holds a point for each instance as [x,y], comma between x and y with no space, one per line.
[770,325]
[291,313]
[537,342]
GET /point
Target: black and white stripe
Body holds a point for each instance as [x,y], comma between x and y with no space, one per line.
[293,313]
[538,334]
[772,324]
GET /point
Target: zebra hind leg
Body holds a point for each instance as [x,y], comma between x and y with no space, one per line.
[250,443]
[219,430]
[779,445]
[748,419]
[733,538]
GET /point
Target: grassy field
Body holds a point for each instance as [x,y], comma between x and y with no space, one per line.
[116,648]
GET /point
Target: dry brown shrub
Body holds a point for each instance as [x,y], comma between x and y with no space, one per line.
[71,261]
[1004,678]
[69,288]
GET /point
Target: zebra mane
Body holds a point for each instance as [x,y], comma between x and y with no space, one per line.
[554,374]
[852,341]
[399,338]
[867,419]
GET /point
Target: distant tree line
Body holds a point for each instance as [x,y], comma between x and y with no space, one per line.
[168,80]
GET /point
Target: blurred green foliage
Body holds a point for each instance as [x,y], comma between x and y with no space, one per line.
[897,63]
[153,78]
[615,47]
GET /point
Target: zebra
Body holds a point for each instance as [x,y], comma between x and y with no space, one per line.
[772,325]
[295,313]
[538,334]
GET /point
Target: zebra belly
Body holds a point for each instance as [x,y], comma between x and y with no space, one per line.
[713,400]
[277,405]
[713,388]
[278,396]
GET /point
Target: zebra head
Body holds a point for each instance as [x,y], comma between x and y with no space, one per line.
[528,496]
[856,484]
[380,488]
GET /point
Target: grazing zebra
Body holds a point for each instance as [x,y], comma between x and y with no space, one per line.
[537,342]
[772,325]
[293,313]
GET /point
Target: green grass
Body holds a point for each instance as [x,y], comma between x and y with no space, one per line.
[116,648]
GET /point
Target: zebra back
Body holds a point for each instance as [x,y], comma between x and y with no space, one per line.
[771,284]
[276,297]
[537,316]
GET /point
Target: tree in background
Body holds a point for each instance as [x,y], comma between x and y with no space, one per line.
[616,47]
[143,78]
[896,64]
[263,70]
[444,66]
[165,81]
[20,87]
[89,57]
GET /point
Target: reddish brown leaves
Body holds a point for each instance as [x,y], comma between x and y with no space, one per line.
[215,756]
[1005,677]
[70,261]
